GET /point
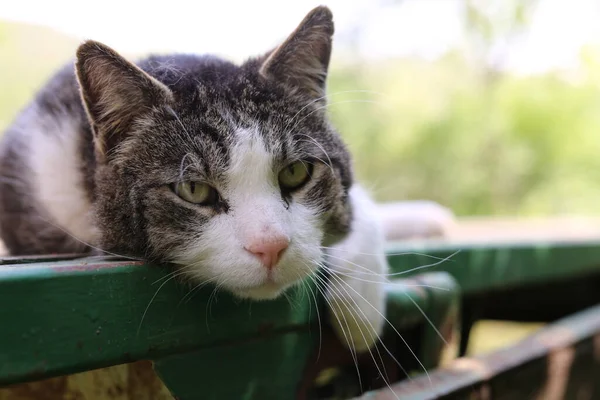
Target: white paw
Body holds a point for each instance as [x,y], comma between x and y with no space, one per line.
[356,292]
[356,299]
[357,322]
[415,219]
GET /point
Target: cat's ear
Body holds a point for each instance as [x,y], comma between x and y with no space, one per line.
[302,60]
[115,92]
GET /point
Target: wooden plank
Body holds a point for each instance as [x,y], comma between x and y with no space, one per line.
[71,316]
[484,267]
[65,317]
[121,382]
[560,361]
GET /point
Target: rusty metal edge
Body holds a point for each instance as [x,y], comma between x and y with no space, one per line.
[467,372]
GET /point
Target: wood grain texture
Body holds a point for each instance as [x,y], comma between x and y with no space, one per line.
[122,382]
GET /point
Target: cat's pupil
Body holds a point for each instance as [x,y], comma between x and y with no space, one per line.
[291,169]
[192,187]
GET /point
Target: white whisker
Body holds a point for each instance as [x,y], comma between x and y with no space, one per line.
[330,164]
[325,97]
[394,328]
[372,335]
[196,289]
[407,253]
[174,114]
[337,268]
[427,318]
[176,272]
[85,243]
[151,300]
[351,346]
[306,285]
[401,272]
[329,105]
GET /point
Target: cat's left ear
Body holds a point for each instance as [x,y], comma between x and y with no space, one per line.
[116,94]
[301,62]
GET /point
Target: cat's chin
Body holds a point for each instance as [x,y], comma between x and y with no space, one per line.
[268,291]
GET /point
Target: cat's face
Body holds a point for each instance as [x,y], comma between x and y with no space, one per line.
[227,176]
[232,173]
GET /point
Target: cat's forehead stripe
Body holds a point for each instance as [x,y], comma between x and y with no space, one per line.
[251,161]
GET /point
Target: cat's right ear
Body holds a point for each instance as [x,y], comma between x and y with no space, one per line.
[302,60]
[115,93]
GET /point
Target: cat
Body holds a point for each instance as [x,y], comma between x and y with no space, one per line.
[231,173]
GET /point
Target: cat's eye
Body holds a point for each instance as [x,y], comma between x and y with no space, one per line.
[295,175]
[196,192]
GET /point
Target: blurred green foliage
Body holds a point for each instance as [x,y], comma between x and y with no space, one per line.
[456,131]
[518,146]
[522,146]
[28,56]
[465,133]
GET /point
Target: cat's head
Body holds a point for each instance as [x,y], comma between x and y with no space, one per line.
[231,172]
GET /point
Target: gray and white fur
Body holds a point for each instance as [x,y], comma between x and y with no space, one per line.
[94,160]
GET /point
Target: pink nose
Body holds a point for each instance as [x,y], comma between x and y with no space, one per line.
[268,250]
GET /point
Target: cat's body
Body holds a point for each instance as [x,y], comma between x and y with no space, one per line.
[231,173]
[47,164]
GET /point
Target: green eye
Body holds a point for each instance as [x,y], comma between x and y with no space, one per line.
[196,192]
[295,175]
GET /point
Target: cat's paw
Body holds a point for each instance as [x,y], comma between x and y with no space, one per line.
[357,287]
[415,220]
[357,301]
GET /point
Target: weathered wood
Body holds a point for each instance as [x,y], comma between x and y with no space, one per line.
[120,382]
[559,362]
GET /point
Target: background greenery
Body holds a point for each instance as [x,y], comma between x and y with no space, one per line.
[457,130]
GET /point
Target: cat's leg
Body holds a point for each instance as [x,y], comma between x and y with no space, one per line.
[356,291]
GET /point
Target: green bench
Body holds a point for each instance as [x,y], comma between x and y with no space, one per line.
[64,315]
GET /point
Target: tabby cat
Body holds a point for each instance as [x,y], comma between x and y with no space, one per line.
[232,174]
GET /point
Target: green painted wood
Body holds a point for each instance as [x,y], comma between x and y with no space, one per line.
[67,316]
[264,369]
[275,367]
[272,368]
[76,315]
[485,267]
